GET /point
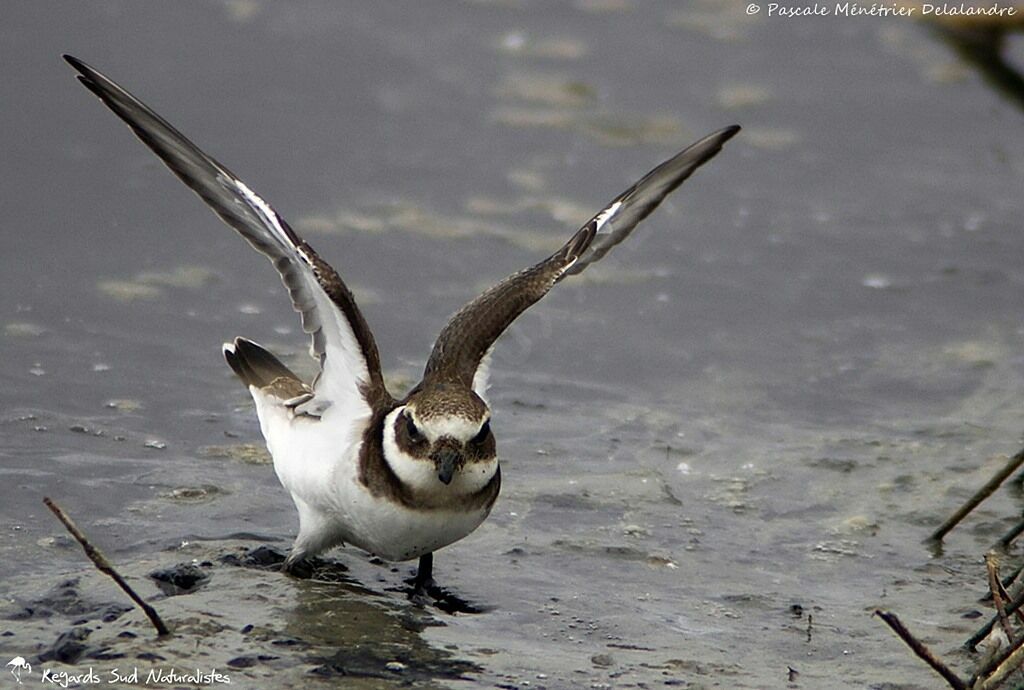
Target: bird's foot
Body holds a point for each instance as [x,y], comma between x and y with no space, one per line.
[300,568]
[431,594]
[426,592]
[315,568]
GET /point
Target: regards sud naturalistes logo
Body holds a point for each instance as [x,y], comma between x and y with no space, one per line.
[134,676]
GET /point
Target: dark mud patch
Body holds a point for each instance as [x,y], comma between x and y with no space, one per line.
[260,557]
[183,578]
[271,558]
[65,599]
[69,647]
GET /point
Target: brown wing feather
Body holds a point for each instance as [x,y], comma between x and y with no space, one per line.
[474,328]
[623,213]
[466,340]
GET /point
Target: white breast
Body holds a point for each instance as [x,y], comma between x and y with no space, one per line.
[317,462]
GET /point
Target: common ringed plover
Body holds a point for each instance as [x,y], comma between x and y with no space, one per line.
[399,478]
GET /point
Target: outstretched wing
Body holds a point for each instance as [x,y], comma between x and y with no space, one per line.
[341,339]
[617,220]
[462,351]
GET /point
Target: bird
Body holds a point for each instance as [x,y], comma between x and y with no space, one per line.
[398,477]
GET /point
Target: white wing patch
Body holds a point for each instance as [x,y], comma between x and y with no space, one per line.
[606,215]
[482,376]
[344,368]
[268,214]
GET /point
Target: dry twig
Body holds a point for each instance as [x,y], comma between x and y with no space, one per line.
[996,587]
[104,566]
[993,674]
[977,637]
[921,650]
[1007,539]
[1007,581]
[984,492]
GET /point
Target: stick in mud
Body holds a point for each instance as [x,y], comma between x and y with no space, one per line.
[921,650]
[1010,608]
[1012,577]
[104,566]
[995,587]
[1005,540]
[1001,668]
[984,492]
[1006,582]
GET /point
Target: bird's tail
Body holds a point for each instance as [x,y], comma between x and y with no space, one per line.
[255,366]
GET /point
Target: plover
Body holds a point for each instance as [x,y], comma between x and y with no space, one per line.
[399,478]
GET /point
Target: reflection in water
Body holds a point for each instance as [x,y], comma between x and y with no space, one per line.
[367,637]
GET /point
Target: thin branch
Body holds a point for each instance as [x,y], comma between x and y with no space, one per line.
[921,650]
[977,637]
[1005,540]
[1007,581]
[1005,594]
[982,493]
[987,662]
[104,566]
[995,586]
[997,671]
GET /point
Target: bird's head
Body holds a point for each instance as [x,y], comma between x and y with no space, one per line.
[440,440]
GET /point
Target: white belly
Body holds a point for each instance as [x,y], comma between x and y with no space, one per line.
[397,533]
[345,511]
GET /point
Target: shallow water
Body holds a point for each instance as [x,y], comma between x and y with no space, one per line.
[721,447]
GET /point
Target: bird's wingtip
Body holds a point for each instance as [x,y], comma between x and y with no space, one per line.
[74,62]
[730,131]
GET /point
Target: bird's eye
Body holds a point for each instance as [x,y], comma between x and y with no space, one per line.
[481,435]
[411,429]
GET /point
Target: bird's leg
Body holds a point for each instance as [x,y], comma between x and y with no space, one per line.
[424,586]
[424,580]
